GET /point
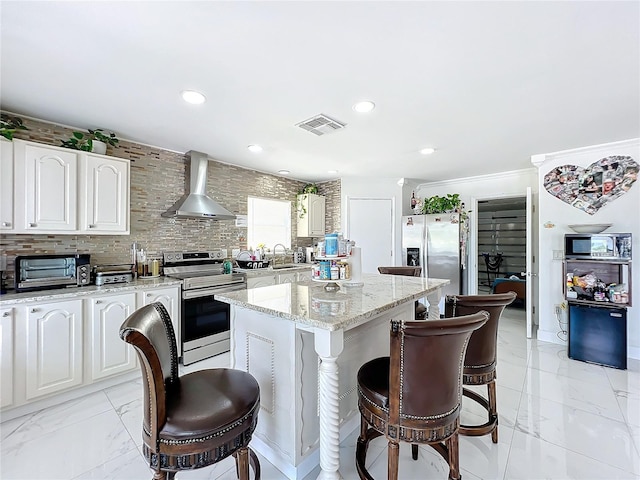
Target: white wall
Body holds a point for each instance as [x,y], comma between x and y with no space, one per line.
[623,213]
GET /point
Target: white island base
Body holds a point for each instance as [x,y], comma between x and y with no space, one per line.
[304,346]
[293,365]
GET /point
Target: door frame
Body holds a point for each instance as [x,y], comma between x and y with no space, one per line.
[472,259]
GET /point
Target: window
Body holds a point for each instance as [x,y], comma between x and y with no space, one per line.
[268,222]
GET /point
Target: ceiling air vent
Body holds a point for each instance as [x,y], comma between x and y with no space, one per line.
[321,125]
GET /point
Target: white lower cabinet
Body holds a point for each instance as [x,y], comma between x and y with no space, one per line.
[107,353]
[290,277]
[170,298]
[53,347]
[6,356]
[261,281]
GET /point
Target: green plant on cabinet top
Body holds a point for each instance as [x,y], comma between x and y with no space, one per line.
[302,195]
[8,126]
[84,142]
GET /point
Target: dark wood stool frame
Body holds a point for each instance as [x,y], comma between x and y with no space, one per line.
[150,331]
[481,359]
[415,394]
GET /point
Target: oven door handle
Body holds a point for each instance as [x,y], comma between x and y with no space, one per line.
[204,292]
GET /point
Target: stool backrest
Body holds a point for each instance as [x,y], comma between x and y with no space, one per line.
[482,345]
[150,331]
[406,271]
[425,376]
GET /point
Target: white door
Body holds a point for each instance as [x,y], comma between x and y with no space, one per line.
[370,225]
[530,265]
[6,356]
[6,185]
[170,298]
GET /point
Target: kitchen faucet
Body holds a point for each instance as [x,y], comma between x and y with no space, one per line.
[274,252]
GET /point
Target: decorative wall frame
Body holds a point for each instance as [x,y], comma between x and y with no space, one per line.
[589,189]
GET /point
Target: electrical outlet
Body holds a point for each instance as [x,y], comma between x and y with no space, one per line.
[558,310]
[235,252]
[558,255]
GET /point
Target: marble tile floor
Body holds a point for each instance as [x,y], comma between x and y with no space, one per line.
[559,419]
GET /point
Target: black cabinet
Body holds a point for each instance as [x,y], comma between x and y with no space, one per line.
[598,334]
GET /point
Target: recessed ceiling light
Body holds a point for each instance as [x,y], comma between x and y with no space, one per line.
[427,151]
[191,96]
[255,148]
[284,172]
[332,171]
[364,107]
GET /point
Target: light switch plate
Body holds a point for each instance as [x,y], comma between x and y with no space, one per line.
[558,255]
[235,252]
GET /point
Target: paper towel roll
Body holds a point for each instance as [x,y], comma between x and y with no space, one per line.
[356,265]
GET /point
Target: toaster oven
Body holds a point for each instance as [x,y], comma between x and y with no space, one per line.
[41,272]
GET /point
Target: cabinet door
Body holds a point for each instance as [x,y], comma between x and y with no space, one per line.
[54,347]
[6,185]
[6,356]
[49,197]
[287,277]
[104,202]
[316,215]
[109,355]
[261,281]
[170,298]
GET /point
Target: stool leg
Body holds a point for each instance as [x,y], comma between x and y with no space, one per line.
[414,451]
[392,465]
[454,457]
[242,463]
[493,409]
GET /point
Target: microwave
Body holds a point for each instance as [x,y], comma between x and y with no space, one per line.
[598,246]
[41,272]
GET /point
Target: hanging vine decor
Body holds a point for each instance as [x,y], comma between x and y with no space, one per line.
[589,189]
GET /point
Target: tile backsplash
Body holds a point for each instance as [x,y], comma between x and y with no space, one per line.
[157,181]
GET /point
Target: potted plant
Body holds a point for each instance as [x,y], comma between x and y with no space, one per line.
[302,195]
[8,126]
[437,204]
[95,141]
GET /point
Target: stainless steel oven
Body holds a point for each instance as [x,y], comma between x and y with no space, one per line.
[204,328]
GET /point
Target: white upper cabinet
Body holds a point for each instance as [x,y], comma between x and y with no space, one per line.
[58,190]
[6,185]
[311,213]
[46,188]
[104,198]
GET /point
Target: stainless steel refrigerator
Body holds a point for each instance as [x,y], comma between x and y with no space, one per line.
[433,242]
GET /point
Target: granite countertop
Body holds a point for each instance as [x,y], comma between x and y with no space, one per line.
[13,298]
[307,303]
[257,272]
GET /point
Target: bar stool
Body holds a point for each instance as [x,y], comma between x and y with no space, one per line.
[480,359]
[194,420]
[415,394]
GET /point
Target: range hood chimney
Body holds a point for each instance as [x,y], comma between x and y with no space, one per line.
[195,203]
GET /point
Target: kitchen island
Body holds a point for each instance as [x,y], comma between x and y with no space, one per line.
[304,346]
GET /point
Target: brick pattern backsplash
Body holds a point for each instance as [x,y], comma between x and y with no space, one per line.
[157,181]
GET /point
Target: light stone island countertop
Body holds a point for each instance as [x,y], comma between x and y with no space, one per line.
[13,298]
[307,302]
[257,272]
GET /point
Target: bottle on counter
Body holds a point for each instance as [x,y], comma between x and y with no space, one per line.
[414,201]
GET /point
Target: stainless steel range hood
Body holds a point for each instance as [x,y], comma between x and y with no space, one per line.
[195,203]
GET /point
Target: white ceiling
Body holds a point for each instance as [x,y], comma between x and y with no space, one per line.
[487,84]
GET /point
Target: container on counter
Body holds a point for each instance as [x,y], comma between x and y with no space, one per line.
[331,245]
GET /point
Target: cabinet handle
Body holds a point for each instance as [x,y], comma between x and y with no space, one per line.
[98,301]
[33,224]
[92,226]
[149,294]
[6,224]
[6,314]
[34,310]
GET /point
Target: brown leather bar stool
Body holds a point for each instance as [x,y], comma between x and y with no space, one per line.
[415,394]
[421,310]
[480,359]
[194,420]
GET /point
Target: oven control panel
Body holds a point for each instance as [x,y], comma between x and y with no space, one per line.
[187,257]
